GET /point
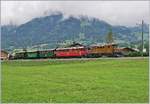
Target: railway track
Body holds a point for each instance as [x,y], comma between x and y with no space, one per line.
[71,59]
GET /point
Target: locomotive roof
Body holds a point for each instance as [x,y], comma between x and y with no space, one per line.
[69,48]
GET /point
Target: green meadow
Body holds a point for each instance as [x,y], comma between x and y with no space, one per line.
[75,81]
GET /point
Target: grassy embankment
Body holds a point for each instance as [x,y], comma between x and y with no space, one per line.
[75,81]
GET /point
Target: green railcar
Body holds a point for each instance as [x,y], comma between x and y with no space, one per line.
[20,55]
[46,54]
[35,54]
[32,55]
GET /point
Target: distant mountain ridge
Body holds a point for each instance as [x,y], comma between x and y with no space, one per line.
[54,30]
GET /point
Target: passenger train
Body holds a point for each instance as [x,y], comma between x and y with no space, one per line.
[75,51]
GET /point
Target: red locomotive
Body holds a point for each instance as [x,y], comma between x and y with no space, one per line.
[71,52]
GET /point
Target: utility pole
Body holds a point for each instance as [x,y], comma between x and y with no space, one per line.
[142,38]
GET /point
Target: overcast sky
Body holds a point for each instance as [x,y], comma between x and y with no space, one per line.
[114,12]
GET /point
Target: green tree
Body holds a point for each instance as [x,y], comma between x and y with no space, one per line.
[109,37]
[81,36]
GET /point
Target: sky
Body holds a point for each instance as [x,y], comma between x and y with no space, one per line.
[127,13]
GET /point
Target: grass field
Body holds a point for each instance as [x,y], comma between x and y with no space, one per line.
[104,81]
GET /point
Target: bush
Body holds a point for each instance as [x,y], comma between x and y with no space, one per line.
[136,54]
[146,54]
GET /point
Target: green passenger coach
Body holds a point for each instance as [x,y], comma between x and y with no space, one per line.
[32,55]
[46,54]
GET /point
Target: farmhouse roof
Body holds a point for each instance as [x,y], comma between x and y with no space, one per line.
[76,45]
[4,51]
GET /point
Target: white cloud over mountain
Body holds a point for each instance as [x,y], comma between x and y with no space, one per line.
[115,12]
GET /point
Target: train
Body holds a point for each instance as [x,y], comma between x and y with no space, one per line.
[81,51]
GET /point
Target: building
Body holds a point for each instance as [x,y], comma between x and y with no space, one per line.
[3,55]
[125,50]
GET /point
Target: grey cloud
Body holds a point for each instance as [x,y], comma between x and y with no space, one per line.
[114,12]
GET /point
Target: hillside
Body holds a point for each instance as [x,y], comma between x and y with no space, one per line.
[54,30]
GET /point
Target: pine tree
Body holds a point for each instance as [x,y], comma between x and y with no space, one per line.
[109,37]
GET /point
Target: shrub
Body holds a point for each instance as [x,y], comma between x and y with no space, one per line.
[136,54]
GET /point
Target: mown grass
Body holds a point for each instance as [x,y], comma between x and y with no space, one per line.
[103,81]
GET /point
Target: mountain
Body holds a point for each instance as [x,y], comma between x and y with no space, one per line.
[55,30]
